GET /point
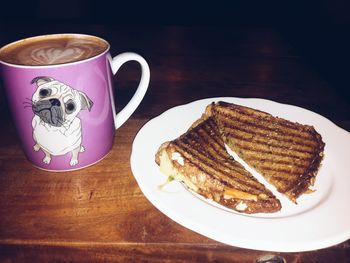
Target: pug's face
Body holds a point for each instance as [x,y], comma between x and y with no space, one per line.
[57,104]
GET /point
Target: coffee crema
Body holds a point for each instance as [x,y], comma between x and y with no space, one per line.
[52,49]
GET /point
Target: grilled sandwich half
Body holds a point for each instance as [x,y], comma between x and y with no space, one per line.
[198,158]
[287,154]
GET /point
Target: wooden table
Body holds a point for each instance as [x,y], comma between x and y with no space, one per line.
[99,213]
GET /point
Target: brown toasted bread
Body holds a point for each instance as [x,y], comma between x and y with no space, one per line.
[287,154]
[199,159]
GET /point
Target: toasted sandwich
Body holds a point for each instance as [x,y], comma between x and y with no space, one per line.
[198,158]
[286,153]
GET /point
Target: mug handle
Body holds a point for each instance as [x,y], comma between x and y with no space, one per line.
[140,92]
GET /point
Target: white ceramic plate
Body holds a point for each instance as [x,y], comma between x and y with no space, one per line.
[319,220]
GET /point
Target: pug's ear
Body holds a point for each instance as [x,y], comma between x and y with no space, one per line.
[86,102]
[41,80]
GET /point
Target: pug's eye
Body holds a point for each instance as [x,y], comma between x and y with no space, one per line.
[70,106]
[44,93]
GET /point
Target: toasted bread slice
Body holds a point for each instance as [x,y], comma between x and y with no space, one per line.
[199,159]
[286,153]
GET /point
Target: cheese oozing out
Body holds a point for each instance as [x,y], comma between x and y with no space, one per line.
[168,169]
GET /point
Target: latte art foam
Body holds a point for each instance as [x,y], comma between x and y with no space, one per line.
[74,50]
[53,50]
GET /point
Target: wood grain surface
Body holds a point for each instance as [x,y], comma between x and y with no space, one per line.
[99,213]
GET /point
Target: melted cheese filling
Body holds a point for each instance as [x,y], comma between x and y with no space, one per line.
[168,169]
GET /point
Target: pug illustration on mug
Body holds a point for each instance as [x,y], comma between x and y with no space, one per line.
[56,125]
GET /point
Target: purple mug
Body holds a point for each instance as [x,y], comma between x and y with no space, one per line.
[64,112]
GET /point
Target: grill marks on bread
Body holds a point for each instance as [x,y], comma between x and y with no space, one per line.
[288,154]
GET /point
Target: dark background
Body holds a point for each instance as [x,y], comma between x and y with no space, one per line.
[334,12]
[319,30]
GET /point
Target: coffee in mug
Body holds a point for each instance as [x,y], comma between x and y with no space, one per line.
[59,88]
[53,50]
